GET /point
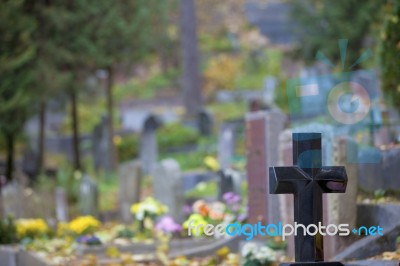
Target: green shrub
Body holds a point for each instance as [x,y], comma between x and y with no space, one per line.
[128,147]
[8,231]
[175,135]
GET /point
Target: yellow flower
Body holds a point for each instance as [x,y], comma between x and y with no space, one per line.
[62,229]
[211,163]
[84,224]
[196,223]
[223,252]
[149,206]
[31,227]
[117,140]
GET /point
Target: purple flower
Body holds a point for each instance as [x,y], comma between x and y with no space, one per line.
[231,198]
[242,217]
[187,209]
[168,225]
[88,240]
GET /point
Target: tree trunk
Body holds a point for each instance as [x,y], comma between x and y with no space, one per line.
[110,113]
[191,77]
[75,130]
[41,145]
[10,142]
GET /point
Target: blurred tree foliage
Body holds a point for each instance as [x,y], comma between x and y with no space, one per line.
[322,22]
[52,48]
[390,52]
[16,72]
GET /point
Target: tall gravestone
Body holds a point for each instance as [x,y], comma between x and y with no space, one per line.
[226,145]
[229,181]
[167,184]
[262,131]
[130,177]
[148,143]
[88,197]
[342,209]
[101,146]
[61,205]
[204,123]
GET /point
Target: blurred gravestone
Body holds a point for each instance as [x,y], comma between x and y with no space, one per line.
[12,195]
[130,176]
[167,184]
[148,143]
[101,146]
[342,209]
[204,123]
[270,84]
[61,205]
[262,132]
[229,181]
[226,145]
[88,196]
[29,163]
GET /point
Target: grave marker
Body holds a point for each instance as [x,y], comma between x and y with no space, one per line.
[167,185]
[262,132]
[130,177]
[101,147]
[229,181]
[88,196]
[226,145]
[204,123]
[307,181]
[61,205]
[148,143]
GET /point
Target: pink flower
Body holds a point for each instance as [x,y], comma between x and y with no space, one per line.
[168,225]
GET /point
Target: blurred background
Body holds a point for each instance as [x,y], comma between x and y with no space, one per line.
[83,82]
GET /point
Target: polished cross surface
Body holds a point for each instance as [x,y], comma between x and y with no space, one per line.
[307,180]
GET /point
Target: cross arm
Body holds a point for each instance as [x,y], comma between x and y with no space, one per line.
[332,179]
[286,180]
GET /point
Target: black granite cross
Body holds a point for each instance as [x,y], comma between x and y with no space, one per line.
[307,180]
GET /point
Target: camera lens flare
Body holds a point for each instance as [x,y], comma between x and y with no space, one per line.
[348,103]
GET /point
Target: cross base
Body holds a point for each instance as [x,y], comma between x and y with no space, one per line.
[312,264]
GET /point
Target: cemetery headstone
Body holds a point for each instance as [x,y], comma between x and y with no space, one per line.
[148,143]
[226,145]
[270,84]
[61,205]
[308,180]
[12,195]
[262,132]
[228,134]
[167,184]
[130,177]
[204,123]
[229,181]
[342,208]
[88,196]
[101,146]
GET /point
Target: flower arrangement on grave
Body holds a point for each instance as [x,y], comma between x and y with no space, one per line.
[148,208]
[216,212]
[211,163]
[255,255]
[31,228]
[168,225]
[145,213]
[84,225]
